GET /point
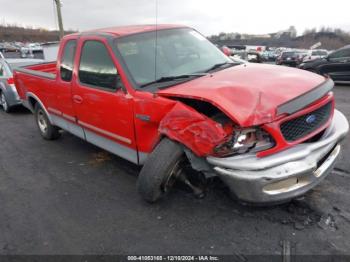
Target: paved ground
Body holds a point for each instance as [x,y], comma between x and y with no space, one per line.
[69,197]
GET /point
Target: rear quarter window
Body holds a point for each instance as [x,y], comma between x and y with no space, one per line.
[67,60]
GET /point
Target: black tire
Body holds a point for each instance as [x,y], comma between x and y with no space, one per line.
[159,168]
[4,103]
[46,129]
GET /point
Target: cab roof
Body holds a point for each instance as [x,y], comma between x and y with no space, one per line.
[131,29]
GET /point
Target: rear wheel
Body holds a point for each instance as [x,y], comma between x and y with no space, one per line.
[161,170]
[47,130]
[3,103]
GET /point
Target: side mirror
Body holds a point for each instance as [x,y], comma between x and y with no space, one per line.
[119,84]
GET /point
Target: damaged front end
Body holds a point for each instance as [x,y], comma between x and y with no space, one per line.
[196,131]
[210,133]
[214,135]
[215,145]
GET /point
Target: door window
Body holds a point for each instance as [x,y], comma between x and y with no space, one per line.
[68,60]
[347,52]
[96,66]
[340,54]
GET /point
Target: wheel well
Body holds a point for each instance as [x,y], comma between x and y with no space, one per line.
[32,102]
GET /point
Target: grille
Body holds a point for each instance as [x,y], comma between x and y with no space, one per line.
[304,125]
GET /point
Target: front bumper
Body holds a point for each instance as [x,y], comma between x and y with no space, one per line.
[284,175]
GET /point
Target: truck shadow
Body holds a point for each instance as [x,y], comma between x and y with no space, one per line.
[19,110]
[304,213]
[309,211]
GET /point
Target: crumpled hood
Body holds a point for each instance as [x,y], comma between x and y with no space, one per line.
[249,94]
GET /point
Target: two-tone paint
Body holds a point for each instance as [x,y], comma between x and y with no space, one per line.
[129,122]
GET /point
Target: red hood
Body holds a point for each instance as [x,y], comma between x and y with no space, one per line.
[249,94]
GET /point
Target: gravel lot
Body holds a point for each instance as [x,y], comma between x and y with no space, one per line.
[70,197]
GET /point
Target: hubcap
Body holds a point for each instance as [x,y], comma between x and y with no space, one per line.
[42,121]
[172,177]
[3,102]
[179,173]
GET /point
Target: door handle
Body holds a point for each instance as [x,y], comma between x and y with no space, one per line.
[77,99]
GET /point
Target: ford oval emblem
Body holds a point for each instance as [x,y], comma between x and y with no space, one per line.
[310,119]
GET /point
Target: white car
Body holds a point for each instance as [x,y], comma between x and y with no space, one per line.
[29,49]
[315,54]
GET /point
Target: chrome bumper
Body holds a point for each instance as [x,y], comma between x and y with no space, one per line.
[284,175]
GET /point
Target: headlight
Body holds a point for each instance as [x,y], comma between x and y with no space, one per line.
[245,140]
[302,65]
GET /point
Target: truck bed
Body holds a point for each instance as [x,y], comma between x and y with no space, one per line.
[47,70]
[34,79]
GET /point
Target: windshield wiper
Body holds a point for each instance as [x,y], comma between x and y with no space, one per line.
[173,78]
[216,66]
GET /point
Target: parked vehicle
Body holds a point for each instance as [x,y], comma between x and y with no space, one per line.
[269,55]
[289,58]
[30,49]
[300,56]
[8,94]
[315,54]
[227,51]
[270,133]
[238,60]
[249,56]
[8,47]
[336,65]
[254,57]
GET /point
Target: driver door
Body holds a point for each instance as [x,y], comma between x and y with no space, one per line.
[103,108]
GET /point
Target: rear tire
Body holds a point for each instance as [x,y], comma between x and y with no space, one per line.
[46,129]
[160,170]
[3,103]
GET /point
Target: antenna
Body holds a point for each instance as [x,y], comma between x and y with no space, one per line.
[156,43]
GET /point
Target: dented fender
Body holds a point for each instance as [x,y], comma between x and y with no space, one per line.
[196,131]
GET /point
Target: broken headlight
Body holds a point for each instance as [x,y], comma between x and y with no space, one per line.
[245,140]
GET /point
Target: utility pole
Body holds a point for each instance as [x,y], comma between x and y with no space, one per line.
[59,17]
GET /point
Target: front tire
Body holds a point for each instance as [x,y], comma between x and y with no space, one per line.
[160,170]
[46,129]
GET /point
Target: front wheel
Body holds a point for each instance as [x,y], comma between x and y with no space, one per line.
[160,171]
[47,130]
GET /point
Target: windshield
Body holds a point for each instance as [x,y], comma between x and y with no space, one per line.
[320,53]
[179,52]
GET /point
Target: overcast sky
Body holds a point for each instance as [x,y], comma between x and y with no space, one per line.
[208,16]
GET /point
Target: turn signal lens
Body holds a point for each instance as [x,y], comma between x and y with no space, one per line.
[10,81]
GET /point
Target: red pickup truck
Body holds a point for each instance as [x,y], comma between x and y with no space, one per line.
[166,98]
